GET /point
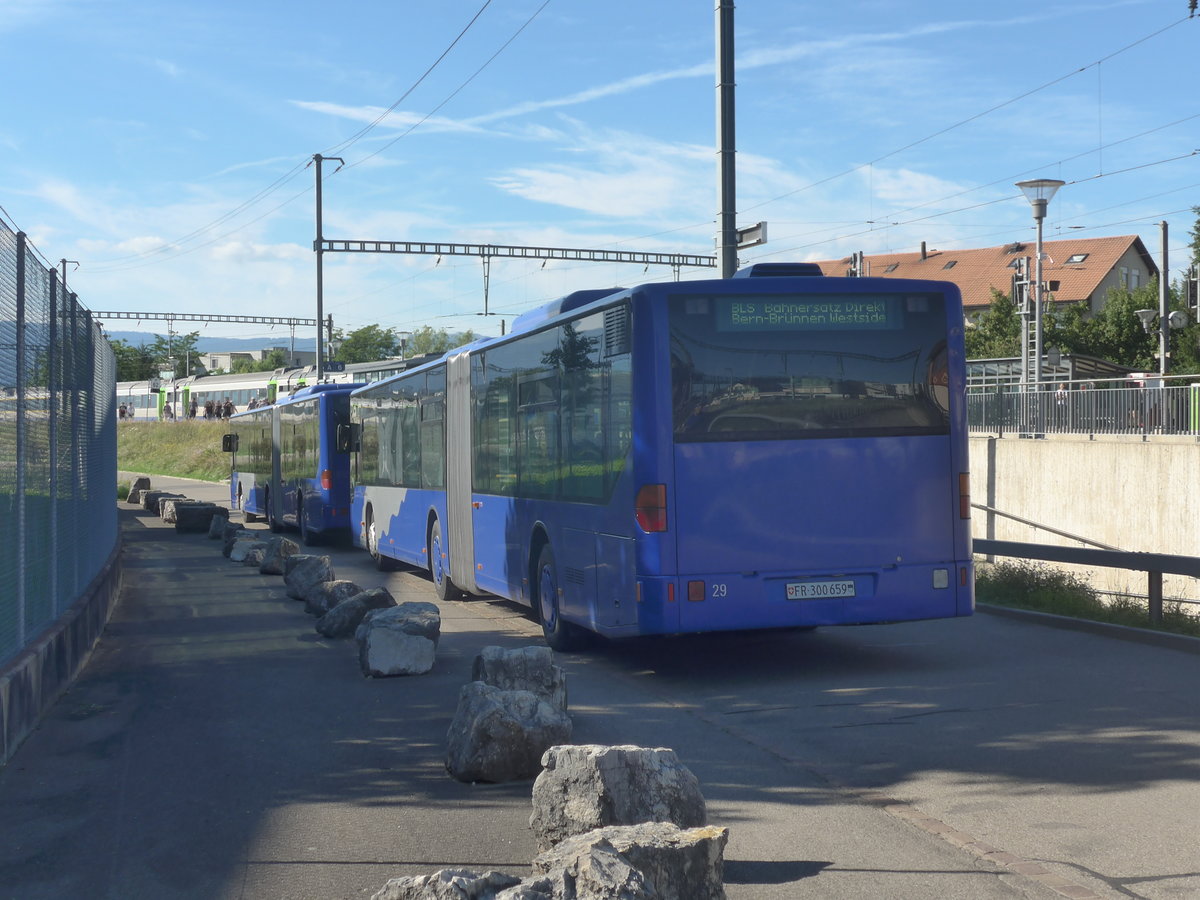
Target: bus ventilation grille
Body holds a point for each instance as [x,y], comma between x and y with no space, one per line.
[616,330]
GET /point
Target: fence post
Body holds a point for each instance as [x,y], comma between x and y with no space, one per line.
[54,413]
[22,569]
[1156,598]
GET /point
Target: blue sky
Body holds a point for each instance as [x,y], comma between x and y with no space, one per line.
[163,145]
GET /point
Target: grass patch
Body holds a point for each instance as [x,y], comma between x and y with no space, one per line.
[123,490]
[1036,586]
[187,449]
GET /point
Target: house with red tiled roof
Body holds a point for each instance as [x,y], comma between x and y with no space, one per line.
[1078,270]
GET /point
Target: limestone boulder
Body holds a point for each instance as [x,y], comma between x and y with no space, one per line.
[589,786]
[399,640]
[141,483]
[446,884]
[230,534]
[343,620]
[500,736]
[650,860]
[279,548]
[302,571]
[522,669]
[247,551]
[325,595]
[197,517]
[152,499]
[216,526]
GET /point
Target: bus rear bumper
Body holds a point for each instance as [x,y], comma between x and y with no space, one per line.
[735,601]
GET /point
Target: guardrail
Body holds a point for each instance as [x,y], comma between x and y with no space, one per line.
[1154,564]
[1135,407]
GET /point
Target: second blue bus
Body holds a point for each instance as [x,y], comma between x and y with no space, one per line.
[287,466]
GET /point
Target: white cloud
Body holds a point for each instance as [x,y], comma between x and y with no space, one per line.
[245,251]
[396,119]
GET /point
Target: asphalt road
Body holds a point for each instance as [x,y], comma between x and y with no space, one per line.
[217,747]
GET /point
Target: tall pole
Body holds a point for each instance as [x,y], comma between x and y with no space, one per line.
[1038,192]
[1164,314]
[1039,213]
[318,246]
[726,179]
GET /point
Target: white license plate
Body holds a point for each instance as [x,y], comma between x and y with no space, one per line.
[819,590]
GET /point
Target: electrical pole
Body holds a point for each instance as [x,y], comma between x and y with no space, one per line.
[727,238]
[318,246]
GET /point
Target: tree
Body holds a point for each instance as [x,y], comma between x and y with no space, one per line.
[180,346]
[427,340]
[997,332]
[1195,232]
[133,363]
[367,344]
[1115,333]
[275,359]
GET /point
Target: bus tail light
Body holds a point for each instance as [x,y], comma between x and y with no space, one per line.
[326,480]
[650,508]
[964,495]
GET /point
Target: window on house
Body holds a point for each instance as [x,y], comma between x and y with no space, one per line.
[892,267]
[951,264]
[1076,258]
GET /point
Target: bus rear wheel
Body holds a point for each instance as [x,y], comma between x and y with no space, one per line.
[445,588]
[560,635]
[308,537]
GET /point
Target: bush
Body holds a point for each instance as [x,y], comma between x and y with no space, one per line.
[1036,586]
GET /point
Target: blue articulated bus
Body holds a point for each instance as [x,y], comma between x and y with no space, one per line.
[294,473]
[775,450]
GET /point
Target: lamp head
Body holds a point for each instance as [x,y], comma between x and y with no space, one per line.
[1038,192]
[1146,316]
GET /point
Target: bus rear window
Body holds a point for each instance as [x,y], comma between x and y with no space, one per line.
[779,367]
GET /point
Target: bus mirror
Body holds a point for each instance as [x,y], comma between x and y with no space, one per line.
[349,438]
[229,443]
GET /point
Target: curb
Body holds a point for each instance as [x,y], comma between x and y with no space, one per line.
[1163,639]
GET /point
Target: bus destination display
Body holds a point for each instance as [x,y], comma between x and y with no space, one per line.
[848,314]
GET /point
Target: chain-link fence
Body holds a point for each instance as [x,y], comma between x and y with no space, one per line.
[57,446]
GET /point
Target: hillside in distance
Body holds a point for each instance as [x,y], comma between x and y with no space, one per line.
[217,344]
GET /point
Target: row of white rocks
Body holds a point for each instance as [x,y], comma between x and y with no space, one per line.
[393,639]
[610,822]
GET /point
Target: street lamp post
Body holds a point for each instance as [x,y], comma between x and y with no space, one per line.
[1038,192]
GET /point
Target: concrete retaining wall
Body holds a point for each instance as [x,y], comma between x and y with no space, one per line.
[1129,493]
[39,674]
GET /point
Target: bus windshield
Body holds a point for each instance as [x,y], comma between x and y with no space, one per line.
[757,367]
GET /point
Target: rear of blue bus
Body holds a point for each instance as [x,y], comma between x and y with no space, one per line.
[804,460]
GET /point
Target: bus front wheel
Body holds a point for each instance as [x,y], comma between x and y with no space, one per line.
[560,634]
[445,588]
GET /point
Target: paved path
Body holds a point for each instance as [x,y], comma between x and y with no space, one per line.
[217,747]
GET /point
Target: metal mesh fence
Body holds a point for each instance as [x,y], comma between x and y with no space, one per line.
[57,446]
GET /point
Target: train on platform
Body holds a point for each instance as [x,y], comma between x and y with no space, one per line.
[147,401]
